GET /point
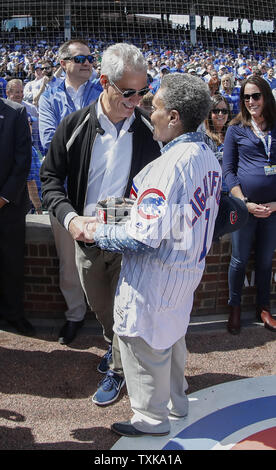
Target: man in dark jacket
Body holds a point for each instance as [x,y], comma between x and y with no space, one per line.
[15,161]
[98,150]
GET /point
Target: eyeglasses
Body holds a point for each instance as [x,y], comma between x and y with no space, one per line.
[129,93]
[46,68]
[80,59]
[217,111]
[254,96]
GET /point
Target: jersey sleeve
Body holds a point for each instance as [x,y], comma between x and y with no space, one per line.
[114,238]
[157,204]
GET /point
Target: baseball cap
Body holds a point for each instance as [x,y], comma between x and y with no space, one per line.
[164,67]
[232,215]
[31,118]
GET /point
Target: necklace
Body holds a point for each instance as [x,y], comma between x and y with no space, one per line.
[259,127]
[262,135]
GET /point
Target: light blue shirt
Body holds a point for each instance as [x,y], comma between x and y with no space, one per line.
[271,82]
[56,103]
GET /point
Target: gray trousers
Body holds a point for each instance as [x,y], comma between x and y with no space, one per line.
[99,274]
[155,381]
[69,281]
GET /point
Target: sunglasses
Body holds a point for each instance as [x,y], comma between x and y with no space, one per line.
[129,93]
[46,68]
[254,96]
[80,59]
[217,111]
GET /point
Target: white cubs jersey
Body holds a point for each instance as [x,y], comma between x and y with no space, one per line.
[176,204]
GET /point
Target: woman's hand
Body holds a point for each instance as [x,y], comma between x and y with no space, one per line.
[271,206]
[260,210]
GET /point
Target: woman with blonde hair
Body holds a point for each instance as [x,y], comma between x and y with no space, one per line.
[230,92]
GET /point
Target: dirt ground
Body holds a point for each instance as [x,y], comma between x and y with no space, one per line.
[46,388]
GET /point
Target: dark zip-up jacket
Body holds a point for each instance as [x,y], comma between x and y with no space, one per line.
[64,171]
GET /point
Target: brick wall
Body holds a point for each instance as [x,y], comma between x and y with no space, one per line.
[42,293]
[44,298]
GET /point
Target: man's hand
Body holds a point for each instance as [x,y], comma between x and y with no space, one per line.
[2,202]
[90,229]
[83,228]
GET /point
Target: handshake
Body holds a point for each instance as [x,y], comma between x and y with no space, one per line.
[114,210]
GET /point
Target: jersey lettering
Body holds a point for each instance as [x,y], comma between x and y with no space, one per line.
[198,203]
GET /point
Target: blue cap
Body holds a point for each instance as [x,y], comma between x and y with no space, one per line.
[31,118]
[232,215]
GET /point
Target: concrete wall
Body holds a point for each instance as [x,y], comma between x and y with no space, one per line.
[43,297]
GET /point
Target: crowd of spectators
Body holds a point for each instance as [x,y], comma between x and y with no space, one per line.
[36,66]
[22,61]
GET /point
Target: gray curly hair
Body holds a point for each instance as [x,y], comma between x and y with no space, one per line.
[187,94]
[121,57]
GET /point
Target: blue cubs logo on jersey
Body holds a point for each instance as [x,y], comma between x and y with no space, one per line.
[151,204]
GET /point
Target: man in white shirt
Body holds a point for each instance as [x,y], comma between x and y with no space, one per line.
[32,87]
[108,144]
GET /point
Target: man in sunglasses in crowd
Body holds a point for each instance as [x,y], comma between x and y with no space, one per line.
[76,90]
[32,87]
[99,150]
[49,76]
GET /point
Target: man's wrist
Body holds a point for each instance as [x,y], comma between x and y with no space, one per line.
[70,216]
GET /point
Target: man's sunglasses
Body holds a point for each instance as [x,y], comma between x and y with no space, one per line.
[80,59]
[129,93]
[217,111]
[254,96]
[46,68]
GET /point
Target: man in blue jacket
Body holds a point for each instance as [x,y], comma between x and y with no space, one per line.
[270,78]
[76,91]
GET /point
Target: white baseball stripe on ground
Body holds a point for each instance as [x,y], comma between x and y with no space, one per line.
[209,410]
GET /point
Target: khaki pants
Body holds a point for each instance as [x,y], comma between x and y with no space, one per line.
[155,381]
[69,281]
[99,274]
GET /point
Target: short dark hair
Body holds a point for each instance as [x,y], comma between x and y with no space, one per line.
[187,94]
[209,125]
[46,61]
[64,48]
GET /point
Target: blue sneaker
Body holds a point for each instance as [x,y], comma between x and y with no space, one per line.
[103,367]
[109,389]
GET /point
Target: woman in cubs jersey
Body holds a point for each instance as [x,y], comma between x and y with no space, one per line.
[164,246]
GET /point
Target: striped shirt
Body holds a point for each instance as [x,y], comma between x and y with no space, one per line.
[177,198]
